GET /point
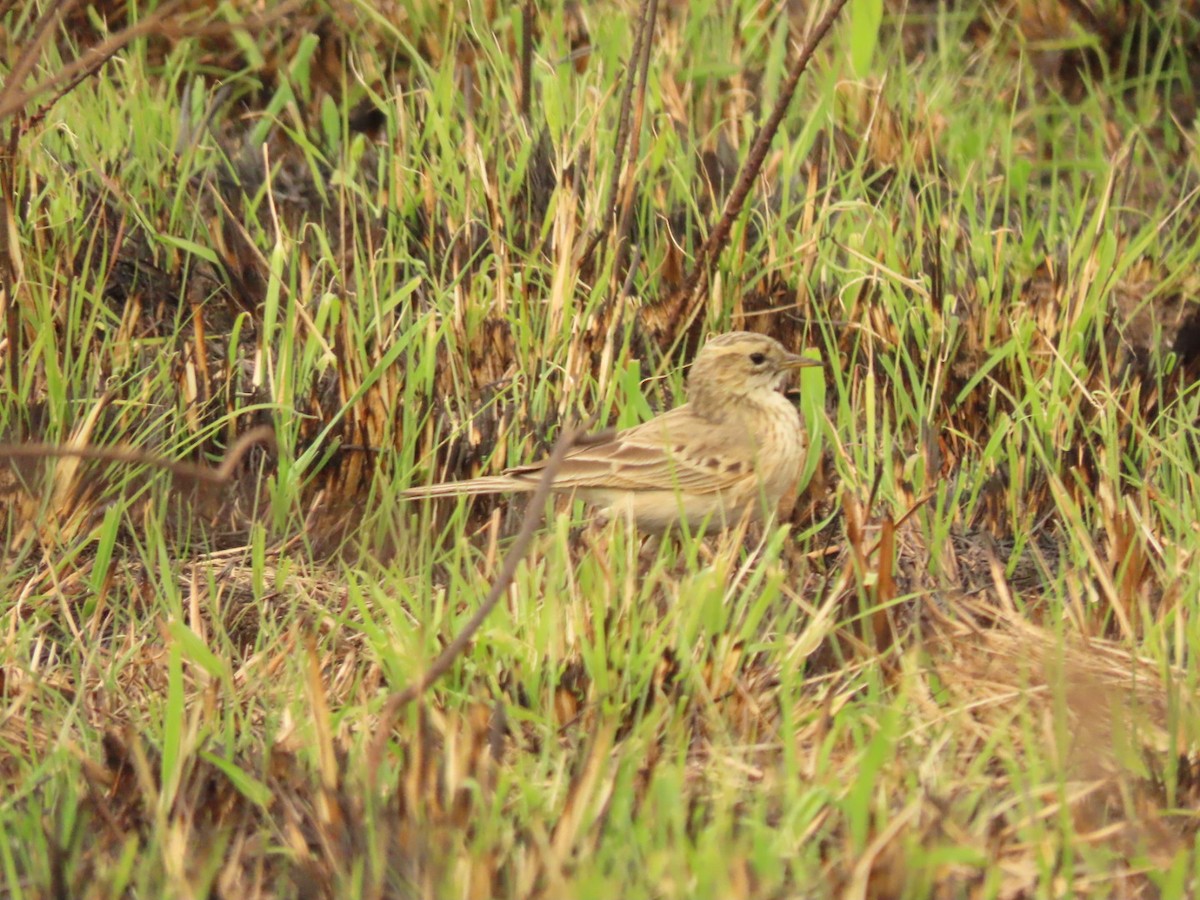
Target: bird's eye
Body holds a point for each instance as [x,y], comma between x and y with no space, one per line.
[758,358]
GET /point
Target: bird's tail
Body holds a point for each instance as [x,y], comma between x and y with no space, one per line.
[492,484]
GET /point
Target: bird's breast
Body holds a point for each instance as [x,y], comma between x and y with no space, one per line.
[782,442]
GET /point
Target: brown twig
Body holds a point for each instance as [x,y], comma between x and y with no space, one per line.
[527,11]
[635,134]
[42,30]
[10,263]
[610,201]
[13,98]
[11,266]
[627,285]
[710,252]
[533,516]
[221,474]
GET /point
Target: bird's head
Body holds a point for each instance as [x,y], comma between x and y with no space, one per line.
[739,365]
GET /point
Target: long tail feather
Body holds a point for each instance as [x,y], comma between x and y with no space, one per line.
[493,484]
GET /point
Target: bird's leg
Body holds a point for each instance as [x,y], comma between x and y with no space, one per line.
[753,534]
[651,544]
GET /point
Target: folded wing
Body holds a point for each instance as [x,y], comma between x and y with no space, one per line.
[674,451]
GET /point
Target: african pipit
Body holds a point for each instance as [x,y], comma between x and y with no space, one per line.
[734,449]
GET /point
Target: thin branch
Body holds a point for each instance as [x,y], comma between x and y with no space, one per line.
[529,525]
[527,13]
[627,286]
[11,267]
[13,98]
[710,252]
[42,30]
[635,141]
[610,201]
[262,435]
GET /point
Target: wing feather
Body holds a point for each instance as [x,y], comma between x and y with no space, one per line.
[675,451]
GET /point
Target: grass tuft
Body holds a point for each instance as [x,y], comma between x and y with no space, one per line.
[962,668]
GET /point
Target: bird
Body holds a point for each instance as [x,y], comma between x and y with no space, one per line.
[735,449]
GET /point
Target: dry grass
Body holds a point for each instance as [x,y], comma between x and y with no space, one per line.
[962,670]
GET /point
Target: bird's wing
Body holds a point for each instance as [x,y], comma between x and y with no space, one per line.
[674,451]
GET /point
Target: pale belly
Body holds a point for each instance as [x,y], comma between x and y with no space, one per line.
[769,491]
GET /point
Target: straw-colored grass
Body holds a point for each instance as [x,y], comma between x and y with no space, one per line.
[963,668]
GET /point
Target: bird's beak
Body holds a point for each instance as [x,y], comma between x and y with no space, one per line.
[795,361]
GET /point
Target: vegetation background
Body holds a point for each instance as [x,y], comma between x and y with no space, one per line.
[416,238]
